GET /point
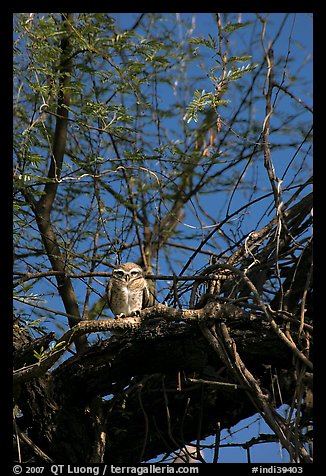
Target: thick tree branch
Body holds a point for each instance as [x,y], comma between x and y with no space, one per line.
[60,134]
[211,311]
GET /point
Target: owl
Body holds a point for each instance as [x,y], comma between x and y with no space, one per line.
[127,291]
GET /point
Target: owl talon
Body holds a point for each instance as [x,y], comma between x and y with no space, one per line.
[120,316]
[135,313]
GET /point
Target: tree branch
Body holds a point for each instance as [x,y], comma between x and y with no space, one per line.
[211,311]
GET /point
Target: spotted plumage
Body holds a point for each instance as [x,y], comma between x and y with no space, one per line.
[128,291]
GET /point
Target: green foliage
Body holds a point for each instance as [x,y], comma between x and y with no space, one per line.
[203,98]
[42,353]
[230,27]
[200,101]
[209,42]
[236,73]
[221,83]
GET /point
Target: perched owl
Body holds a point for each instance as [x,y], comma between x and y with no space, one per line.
[127,291]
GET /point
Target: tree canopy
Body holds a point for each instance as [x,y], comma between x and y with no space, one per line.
[142,137]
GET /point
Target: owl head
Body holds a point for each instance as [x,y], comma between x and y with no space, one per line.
[127,273]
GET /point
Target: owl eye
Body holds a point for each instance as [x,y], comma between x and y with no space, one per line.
[134,273]
[118,274]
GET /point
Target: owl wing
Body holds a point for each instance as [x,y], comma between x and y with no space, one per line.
[108,292]
[148,297]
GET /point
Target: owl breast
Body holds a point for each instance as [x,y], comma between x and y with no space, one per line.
[125,300]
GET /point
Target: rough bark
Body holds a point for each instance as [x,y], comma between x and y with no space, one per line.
[157,376]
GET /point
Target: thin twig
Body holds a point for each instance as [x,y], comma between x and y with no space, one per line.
[33,446]
[303,301]
[141,457]
[298,100]
[266,312]
[226,385]
[237,368]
